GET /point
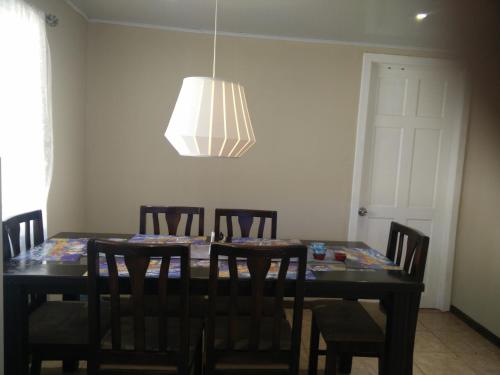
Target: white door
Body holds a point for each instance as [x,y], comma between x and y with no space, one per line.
[408,158]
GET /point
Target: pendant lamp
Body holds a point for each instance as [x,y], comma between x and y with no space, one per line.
[210,117]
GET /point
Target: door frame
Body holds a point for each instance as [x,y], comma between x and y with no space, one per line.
[457,150]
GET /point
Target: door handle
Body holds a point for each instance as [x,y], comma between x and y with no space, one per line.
[362,211]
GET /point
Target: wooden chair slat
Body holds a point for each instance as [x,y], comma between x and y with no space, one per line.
[258,268]
[278,306]
[262,223]
[114,293]
[162,297]
[137,267]
[201,221]
[156,223]
[189,223]
[245,225]
[411,244]
[38,235]
[172,222]
[229,226]
[400,249]
[27,235]
[233,301]
[15,234]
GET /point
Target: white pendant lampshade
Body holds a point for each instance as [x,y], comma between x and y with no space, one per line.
[210,118]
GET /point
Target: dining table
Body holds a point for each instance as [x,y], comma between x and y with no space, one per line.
[66,274]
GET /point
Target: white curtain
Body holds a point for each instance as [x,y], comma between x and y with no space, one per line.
[25,108]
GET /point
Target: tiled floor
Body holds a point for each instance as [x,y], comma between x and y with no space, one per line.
[444,346]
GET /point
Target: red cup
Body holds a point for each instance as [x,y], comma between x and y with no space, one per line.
[340,256]
[319,256]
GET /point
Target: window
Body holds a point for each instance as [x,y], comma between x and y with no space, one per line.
[25,113]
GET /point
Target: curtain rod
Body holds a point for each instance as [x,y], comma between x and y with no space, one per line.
[51,19]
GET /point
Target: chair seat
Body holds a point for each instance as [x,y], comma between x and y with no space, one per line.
[343,321]
[152,336]
[242,329]
[62,323]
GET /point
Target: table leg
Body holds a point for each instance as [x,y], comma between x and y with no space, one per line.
[70,365]
[16,330]
[413,318]
[398,360]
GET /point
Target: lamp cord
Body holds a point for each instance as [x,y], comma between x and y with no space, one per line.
[215,39]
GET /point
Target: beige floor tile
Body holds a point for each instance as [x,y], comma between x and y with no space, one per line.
[417,371]
[434,320]
[362,366]
[442,364]
[421,327]
[466,341]
[426,342]
[485,363]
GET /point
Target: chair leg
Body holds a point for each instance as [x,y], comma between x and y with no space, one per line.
[92,367]
[313,348]
[198,365]
[36,364]
[381,367]
[345,363]
[209,366]
[331,361]
[70,365]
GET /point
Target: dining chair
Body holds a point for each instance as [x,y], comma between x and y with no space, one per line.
[172,217]
[348,329]
[254,343]
[58,330]
[12,233]
[245,220]
[14,229]
[141,343]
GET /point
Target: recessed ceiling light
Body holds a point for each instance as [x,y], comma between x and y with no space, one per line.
[421,16]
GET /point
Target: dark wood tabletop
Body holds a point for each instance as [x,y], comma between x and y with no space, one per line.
[47,276]
[24,276]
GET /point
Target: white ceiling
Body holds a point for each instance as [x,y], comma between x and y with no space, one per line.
[377,22]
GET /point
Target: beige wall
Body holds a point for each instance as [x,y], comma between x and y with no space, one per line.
[303,102]
[68,44]
[476,283]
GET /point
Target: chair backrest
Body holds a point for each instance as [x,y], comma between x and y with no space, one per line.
[173,218]
[245,220]
[258,260]
[407,247]
[12,232]
[136,258]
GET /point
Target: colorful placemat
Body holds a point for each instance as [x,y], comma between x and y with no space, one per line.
[366,258]
[244,273]
[174,270]
[166,239]
[57,249]
[326,267]
[356,258]
[263,241]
